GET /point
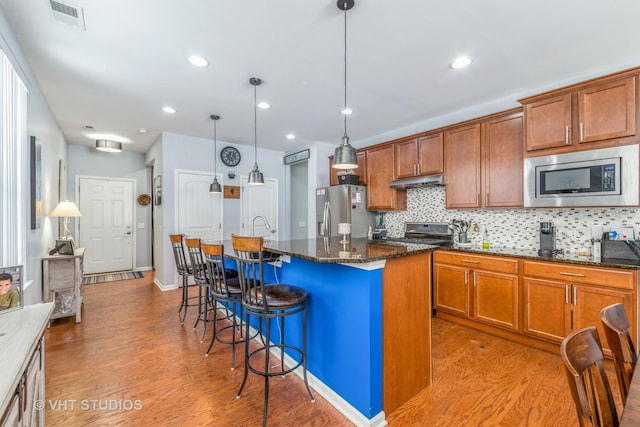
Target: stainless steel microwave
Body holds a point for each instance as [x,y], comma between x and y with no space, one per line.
[603,177]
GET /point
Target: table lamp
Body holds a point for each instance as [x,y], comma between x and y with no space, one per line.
[66,210]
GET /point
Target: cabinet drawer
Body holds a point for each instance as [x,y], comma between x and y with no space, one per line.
[610,277]
[62,274]
[477,262]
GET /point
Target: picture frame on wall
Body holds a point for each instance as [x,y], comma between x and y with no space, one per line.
[157,190]
[35,175]
[16,288]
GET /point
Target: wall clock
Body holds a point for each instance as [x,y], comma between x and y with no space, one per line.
[230,156]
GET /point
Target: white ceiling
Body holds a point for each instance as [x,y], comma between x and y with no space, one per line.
[131,61]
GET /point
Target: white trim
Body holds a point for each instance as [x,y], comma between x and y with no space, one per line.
[367,266]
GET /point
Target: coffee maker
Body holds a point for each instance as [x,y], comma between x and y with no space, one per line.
[547,239]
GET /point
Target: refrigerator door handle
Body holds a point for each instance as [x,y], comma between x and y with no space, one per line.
[328,221]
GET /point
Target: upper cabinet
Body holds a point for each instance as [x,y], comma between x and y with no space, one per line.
[502,152]
[462,167]
[483,163]
[380,173]
[601,111]
[419,156]
[361,171]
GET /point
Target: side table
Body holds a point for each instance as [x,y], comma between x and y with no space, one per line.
[62,283]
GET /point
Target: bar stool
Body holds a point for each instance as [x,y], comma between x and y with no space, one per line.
[184,270]
[268,301]
[225,291]
[205,298]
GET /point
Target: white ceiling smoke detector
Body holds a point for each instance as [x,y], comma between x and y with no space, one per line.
[68,14]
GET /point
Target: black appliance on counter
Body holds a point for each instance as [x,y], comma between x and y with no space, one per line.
[547,239]
[426,233]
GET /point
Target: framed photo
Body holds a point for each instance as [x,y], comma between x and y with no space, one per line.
[157,190]
[11,298]
[35,171]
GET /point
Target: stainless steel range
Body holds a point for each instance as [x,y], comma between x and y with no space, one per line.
[426,233]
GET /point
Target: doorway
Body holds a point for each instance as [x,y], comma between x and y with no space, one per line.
[299,197]
[259,200]
[106,225]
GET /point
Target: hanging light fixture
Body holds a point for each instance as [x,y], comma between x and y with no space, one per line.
[215,187]
[345,155]
[255,177]
[108,146]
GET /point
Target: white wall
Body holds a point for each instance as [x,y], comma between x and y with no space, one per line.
[42,124]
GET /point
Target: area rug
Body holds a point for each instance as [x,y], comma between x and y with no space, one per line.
[111,277]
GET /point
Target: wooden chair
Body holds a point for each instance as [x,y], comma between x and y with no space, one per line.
[184,270]
[616,330]
[267,302]
[581,353]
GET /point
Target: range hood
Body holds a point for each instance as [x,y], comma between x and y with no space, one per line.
[418,182]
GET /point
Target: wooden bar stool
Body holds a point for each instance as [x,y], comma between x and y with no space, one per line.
[268,301]
[184,270]
[205,298]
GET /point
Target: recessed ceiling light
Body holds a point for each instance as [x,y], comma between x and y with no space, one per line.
[346,111]
[291,136]
[263,105]
[461,62]
[169,110]
[198,61]
[142,130]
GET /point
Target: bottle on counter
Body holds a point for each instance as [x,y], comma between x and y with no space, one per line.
[370,233]
[485,239]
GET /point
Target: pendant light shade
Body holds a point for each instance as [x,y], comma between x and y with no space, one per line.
[255,176]
[215,187]
[345,155]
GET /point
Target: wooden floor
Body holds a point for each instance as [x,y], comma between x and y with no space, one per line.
[131,351]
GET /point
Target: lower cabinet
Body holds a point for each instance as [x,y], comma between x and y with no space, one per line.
[554,298]
[482,288]
[562,298]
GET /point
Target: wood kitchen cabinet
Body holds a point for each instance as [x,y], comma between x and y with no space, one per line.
[361,170]
[560,298]
[480,287]
[569,119]
[380,173]
[503,168]
[419,156]
[462,167]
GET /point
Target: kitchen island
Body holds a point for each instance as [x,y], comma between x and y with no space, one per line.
[368,320]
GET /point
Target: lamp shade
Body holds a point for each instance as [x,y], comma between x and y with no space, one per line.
[256,177]
[215,187]
[108,146]
[345,156]
[66,209]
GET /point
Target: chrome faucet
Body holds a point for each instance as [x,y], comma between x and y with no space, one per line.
[253,223]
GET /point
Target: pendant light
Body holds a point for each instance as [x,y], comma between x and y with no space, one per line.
[255,177]
[215,187]
[345,155]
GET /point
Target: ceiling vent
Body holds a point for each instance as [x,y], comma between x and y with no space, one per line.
[67,14]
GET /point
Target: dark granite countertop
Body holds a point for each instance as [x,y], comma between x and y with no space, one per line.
[362,250]
[533,255]
[359,250]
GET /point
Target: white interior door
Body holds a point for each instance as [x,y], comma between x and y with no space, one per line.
[260,200]
[198,212]
[106,226]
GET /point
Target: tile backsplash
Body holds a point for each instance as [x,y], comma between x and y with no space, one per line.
[513,228]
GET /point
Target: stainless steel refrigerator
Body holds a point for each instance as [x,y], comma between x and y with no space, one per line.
[343,203]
